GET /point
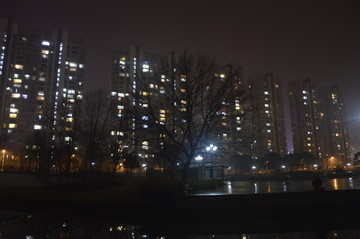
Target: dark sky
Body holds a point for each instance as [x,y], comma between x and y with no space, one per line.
[295,40]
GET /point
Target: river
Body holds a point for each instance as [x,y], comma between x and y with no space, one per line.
[249,187]
[34,226]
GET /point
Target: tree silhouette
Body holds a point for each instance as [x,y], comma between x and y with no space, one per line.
[131,163]
[271,161]
[196,100]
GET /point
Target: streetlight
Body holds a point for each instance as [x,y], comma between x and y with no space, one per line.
[212,148]
[332,162]
[3,160]
[199,159]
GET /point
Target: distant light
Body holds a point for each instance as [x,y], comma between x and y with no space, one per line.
[283,166]
[253,167]
[45,43]
[143,165]
[348,164]
[315,165]
[92,163]
[199,158]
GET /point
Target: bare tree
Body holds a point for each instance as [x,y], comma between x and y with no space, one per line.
[67,132]
[194,103]
[95,130]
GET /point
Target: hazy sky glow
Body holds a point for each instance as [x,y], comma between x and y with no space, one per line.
[319,40]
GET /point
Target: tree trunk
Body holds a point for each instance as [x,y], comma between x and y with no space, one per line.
[185,175]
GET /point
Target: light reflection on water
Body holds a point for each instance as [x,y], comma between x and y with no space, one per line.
[250,187]
[34,227]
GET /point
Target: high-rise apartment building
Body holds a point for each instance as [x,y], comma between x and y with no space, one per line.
[268,122]
[318,121]
[305,118]
[41,74]
[135,73]
[336,139]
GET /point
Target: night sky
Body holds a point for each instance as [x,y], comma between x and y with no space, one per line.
[295,40]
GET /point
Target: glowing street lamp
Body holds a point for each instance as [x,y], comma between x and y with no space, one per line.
[332,161]
[212,148]
[3,160]
[199,158]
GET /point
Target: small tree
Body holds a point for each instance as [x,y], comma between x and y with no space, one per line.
[241,163]
[131,163]
[95,128]
[271,160]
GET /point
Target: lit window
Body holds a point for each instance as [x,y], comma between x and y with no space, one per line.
[45,52]
[15,95]
[45,43]
[266,92]
[12,126]
[19,67]
[266,105]
[183,90]
[37,127]
[12,115]
[72,64]
[145,68]
[72,69]
[13,110]
[18,81]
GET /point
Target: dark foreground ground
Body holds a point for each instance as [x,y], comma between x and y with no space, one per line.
[163,210]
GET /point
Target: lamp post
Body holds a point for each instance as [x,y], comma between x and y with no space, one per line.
[332,162]
[199,158]
[3,160]
[212,148]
